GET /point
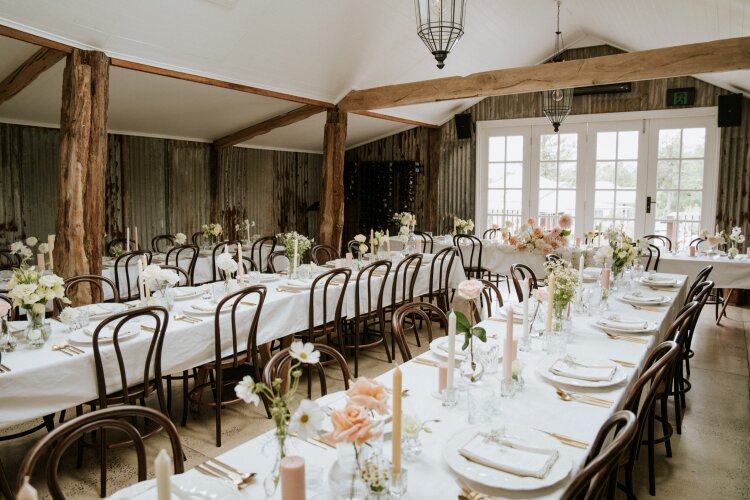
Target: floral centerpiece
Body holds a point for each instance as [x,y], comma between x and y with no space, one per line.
[360,246]
[180,239]
[159,280]
[31,290]
[462,226]
[531,237]
[566,284]
[228,265]
[306,420]
[620,252]
[378,241]
[243,229]
[287,241]
[27,248]
[735,237]
[211,232]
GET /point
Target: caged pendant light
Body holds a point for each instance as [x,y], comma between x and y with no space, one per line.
[557,103]
[440,23]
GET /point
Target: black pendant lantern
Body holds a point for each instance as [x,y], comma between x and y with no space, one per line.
[557,103]
[440,23]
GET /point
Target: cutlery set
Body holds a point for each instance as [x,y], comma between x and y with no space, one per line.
[575,443]
[634,340]
[583,398]
[68,349]
[188,319]
[218,469]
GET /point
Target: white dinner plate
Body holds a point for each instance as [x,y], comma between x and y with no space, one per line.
[660,282]
[184,293]
[542,368]
[650,327]
[494,478]
[105,337]
[644,299]
[439,347]
[268,278]
[196,486]
[104,310]
[206,310]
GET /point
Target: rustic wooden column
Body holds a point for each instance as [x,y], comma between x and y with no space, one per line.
[79,225]
[217,188]
[332,187]
[431,179]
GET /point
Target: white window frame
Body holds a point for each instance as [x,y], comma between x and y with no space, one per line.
[523,126]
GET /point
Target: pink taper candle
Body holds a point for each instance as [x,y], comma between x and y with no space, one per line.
[135,238]
[692,251]
[508,347]
[605,278]
[292,471]
[396,433]
[442,376]
[40,262]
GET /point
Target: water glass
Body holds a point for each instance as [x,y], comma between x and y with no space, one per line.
[482,401]
[253,277]
[489,356]
[556,344]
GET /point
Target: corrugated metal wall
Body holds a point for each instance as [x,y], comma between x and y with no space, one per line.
[458,158]
[160,185]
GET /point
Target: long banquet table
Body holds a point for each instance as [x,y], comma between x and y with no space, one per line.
[43,381]
[537,406]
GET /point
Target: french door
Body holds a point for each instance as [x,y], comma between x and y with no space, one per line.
[649,175]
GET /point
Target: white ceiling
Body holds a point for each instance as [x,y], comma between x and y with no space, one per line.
[320,50]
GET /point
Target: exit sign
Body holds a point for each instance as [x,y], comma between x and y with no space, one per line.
[681,97]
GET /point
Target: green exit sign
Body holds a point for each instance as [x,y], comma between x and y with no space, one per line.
[681,97]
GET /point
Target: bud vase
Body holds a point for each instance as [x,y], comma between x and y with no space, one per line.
[37,330]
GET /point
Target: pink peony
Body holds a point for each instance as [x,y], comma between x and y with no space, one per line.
[352,424]
[369,394]
[530,221]
[495,226]
[470,289]
[565,221]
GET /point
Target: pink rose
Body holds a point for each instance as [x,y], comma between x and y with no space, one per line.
[352,424]
[369,394]
[565,221]
[470,289]
[495,226]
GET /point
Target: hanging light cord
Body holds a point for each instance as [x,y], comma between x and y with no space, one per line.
[558,36]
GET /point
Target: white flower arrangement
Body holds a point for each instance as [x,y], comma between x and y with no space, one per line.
[31,290]
[212,229]
[404,219]
[287,241]
[566,282]
[226,263]
[378,239]
[19,248]
[361,247]
[244,225]
[620,252]
[159,279]
[180,238]
[462,225]
[736,235]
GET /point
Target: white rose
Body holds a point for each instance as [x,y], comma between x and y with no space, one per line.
[180,238]
[217,230]
[32,241]
[37,308]
[362,248]
[740,239]
[360,238]
[16,247]
[43,248]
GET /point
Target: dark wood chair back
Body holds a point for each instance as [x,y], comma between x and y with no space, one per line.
[489,234]
[96,284]
[518,273]
[279,365]
[473,250]
[404,279]
[699,278]
[406,316]
[696,242]
[13,311]
[654,255]
[594,236]
[324,309]
[597,478]
[271,263]
[177,256]
[427,241]
[369,293]
[659,240]
[320,254]
[162,243]
[231,246]
[181,273]
[9,260]
[112,246]
[125,267]
[256,251]
[551,257]
[197,238]
[353,247]
[121,419]
[490,294]
[441,270]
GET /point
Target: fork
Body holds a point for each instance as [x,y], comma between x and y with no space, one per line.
[210,469]
[186,318]
[4,369]
[626,339]
[245,476]
[470,494]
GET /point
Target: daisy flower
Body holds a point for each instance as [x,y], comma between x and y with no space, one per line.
[304,352]
[245,390]
[307,420]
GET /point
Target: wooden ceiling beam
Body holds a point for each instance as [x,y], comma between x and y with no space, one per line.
[392,118]
[36,40]
[682,60]
[264,127]
[28,71]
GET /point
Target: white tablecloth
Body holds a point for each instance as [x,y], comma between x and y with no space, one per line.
[537,406]
[727,273]
[44,381]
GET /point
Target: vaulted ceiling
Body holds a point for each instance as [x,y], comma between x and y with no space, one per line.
[320,50]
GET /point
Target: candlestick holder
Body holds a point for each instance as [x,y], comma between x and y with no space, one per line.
[450,397]
[524,343]
[399,483]
[507,388]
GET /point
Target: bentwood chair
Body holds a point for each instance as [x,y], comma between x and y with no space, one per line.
[273,264]
[659,241]
[489,234]
[655,374]
[178,256]
[699,294]
[490,296]
[125,267]
[353,247]
[367,326]
[407,316]
[520,272]
[551,257]
[279,365]
[654,255]
[426,239]
[9,260]
[120,420]
[321,254]
[699,278]
[197,238]
[12,312]
[598,478]
[697,243]
[96,285]
[404,279]
[162,243]
[471,257]
[244,352]
[259,248]
[219,248]
[114,361]
[441,270]
[118,245]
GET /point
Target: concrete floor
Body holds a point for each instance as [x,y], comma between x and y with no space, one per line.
[711,459]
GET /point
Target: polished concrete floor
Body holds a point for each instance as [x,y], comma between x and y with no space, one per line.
[711,459]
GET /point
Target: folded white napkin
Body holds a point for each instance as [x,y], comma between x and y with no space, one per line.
[509,455]
[661,280]
[517,313]
[643,298]
[443,347]
[183,291]
[200,307]
[106,333]
[621,324]
[298,284]
[570,368]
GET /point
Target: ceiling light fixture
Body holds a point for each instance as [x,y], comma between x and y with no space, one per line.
[440,23]
[557,103]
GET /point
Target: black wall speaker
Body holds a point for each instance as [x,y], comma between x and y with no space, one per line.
[463,125]
[730,110]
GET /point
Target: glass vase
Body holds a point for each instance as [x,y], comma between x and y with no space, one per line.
[37,330]
[472,368]
[557,339]
[344,478]
[278,449]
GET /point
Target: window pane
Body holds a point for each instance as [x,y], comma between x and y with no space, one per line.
[514,148]
[566,202]
[547,201]
[606,145]
[693,142]
[495,175]
[666,204]
[495,200]
[691,176]
[690,205]
[669,143]
[568,146]
[514,175]
[627,174]
[497,149]
[626,204]
[513,201]
[627,148]
[667,174]
[604,204]
[605,175]
[567,174]
[547,174]
[548,147]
